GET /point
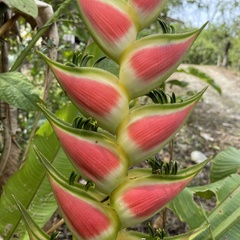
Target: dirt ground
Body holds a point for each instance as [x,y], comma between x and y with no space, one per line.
[216,119]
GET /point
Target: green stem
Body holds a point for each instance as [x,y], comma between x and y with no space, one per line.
[165,210]
[41,31]
[171,153]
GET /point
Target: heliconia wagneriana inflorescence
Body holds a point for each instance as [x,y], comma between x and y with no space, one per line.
[127,135]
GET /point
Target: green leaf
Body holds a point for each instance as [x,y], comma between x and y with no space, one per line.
[190,213]
[16,90]
[224,219]
[203,76]
[131,235]
[34,231]
[225,163]
[30,185]
[28,7]
[106,64]
[178,83]
[221,189]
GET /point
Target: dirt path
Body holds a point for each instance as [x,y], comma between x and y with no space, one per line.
[215,122]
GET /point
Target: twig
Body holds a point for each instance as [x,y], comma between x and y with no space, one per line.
[55,227]
[7,25]
[171,152]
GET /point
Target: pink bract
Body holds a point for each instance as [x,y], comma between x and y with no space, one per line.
[108,21]
[144,201]
[152,62]
[85,219]
[146,5]
[94,160]
[83,91]
[153,130]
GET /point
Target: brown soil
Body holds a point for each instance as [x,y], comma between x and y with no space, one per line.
[217,118]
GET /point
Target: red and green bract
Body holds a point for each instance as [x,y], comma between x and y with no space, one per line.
[143,194]
[83,89]
[146,5]
[85,219]
[97,157]
[137,200]
[150,131]
[95,92]
[86,216]
[151,62]
[148,62]
[112,24]
[94,160]
[143,201]
[106,18]
[148,128]
[147,11]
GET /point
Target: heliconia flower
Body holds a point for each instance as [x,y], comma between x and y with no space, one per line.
[139,198]
[97,157]
[146,10]
[112,24]
[148,62]
[148,128]
[86,217]
[95,92]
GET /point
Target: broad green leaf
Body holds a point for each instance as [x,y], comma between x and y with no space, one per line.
[28,7]
[225,163]
[221,189]
[190,235]
[30,185]
[16,90]
[190,213]
[224,219]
